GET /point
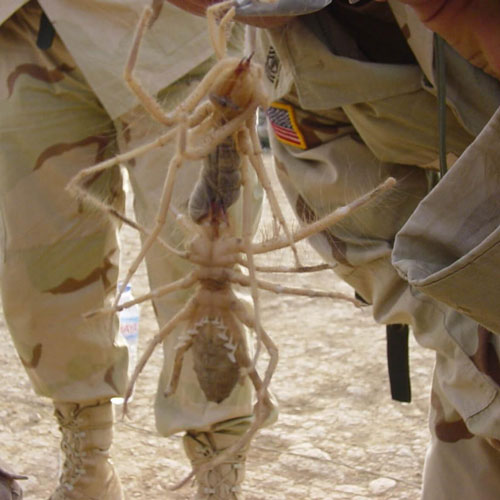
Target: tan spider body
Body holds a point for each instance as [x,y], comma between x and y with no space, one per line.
[219,114]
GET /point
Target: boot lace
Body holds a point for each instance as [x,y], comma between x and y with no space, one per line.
[223,482]
[73,467]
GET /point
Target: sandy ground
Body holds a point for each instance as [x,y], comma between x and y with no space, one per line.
[339,435]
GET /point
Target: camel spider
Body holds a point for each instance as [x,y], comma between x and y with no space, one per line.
[218,115]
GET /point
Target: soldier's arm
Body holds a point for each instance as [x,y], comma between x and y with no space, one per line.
[472,27]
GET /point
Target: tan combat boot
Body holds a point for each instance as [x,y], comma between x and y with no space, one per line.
[87,472]
[224,481]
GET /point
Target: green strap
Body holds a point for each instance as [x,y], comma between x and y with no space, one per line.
[441,96]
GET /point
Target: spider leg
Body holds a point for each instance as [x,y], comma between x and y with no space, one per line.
[263,405]
[217,30]
[201,114]
[288,269]
[261,386]
[218,135]
[181,349]
[110,210]
[254,149]
[161,214]
[203,87]
[184,314]
[243,280]
[148,101]
[324,223]
[247,249]
[163,139]
[181,284]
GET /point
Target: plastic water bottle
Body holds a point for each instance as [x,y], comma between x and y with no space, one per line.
[129,330]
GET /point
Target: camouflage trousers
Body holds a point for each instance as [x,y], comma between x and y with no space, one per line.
[61,256]
[332,166]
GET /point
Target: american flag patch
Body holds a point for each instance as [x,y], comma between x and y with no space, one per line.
[282,119]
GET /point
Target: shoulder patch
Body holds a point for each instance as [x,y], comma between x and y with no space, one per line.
[282,119]
[272,64]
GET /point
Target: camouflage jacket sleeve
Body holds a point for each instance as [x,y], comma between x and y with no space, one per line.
[98,35]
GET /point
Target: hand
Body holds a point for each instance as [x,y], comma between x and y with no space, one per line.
[472,27]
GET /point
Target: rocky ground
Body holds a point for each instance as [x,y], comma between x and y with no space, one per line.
[339,434]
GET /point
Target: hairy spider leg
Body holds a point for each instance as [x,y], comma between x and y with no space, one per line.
[263,247]
[325,222]
[247,238]
[243,280]
[145,98]
[217,30]
[184,314]
[268,246]
[180,284]
[255,151]
[263,405]
[149,102]
[161,214]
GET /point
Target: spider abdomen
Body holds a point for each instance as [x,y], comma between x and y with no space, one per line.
[214,359]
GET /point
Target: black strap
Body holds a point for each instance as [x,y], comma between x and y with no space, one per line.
[398,362]
[46,33]
[357,296]
[397,335]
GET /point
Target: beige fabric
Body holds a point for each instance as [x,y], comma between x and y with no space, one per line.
[98,34]
[458,463]
[318,85]
[419,38]
[384,102]
[61,256]
[472,94]
[358,136]
[451,250]
[321,178]
[60,259]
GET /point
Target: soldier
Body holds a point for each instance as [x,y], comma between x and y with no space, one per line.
[354,89]
[64,106]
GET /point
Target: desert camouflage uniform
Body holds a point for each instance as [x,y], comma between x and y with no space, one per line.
[343,122]
[64,109]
